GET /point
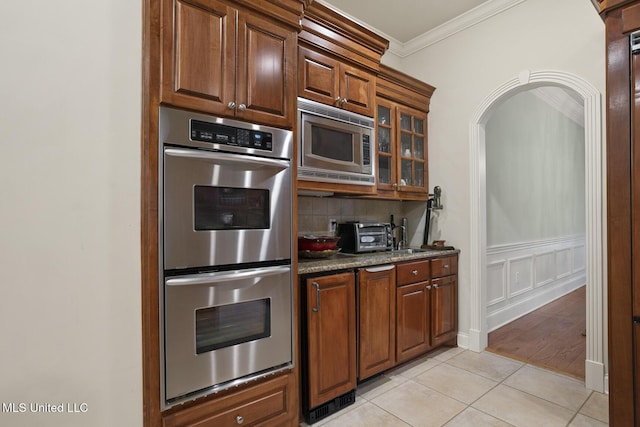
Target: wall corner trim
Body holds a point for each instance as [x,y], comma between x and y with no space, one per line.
[594,200]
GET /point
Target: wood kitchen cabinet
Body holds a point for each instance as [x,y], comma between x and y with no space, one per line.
[401,134]
[267,404]
[413,318]
[427,306]
[226,60]
[329,328]
[444,300]
[622,24]
[338,60]
[325,79]
[376,319]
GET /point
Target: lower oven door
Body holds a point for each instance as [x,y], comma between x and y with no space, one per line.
[225,327]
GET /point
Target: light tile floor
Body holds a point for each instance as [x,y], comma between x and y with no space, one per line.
[454,387]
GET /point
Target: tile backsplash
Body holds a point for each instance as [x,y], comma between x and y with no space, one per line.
[315,213]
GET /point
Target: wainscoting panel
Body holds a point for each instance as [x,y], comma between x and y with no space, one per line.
[545,268]
[522,277]
[497,278]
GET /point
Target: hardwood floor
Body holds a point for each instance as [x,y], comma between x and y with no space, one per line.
[552,337]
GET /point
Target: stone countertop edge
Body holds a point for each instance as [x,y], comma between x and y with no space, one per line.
[309,266]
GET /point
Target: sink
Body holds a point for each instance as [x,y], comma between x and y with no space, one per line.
[409,251]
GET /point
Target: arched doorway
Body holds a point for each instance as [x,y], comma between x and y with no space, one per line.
[478,333]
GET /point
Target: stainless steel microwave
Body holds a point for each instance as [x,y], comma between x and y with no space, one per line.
[335,145]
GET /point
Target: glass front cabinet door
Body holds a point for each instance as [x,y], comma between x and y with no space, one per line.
[402,149]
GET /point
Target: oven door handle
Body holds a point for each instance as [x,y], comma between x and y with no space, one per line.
[227,157]
[226,276]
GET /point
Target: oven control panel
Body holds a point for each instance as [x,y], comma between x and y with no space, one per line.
[229,135]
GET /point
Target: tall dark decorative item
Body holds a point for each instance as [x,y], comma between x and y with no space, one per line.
[433,203]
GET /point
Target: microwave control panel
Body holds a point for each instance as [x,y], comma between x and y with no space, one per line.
[228,135]
[366,150]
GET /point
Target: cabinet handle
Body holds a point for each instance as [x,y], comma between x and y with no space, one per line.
[395,185]
[242,107]
[428,288]
[445,266]
[343,101]
[231,105]
[338,99]
[317,307]
[435,286]
[414,272]
[379,268]
[239,419]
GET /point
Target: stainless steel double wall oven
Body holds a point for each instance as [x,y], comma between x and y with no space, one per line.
[225,193]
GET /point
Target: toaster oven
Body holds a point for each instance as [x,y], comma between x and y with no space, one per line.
[362,236]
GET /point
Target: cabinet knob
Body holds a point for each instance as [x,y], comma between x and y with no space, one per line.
[435,286]
[239,419]
[414,272]
[338,99]
[242,107]
[428,288]
[445,266]
[343,101]
[395,185]
[231,105]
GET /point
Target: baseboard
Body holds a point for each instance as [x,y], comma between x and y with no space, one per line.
[594,376]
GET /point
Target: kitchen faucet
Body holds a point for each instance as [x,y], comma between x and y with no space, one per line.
[402,242]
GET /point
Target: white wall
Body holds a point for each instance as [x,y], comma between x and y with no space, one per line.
[69,219]
[468,66]
[535,178]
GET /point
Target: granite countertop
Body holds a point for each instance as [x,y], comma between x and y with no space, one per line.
[347,261]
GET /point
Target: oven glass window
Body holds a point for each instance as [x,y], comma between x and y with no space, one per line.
[332,144]
[227,325]
[227,208]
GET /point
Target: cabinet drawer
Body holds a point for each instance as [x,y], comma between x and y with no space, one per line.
[444,266]
[261,405]
[413,272]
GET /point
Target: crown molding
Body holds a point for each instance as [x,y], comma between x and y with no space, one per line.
[462,22]
[459,23]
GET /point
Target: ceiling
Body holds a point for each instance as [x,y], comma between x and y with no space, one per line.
[406,19]
[411,25]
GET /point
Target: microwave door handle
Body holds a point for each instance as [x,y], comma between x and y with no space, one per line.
[226,157]
[226,276]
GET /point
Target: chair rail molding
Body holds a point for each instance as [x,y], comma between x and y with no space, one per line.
[595,375]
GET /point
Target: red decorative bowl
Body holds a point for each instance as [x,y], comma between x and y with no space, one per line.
[317,243]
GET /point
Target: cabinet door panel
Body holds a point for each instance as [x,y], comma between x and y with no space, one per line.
[318,78]
[358,89]
[412,321]
[444,303]
[376,320]
[266,72]
[199,61]
[385,122]
[331,336]
[412,155]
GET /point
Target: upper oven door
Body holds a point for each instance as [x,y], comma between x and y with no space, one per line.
[224,208]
